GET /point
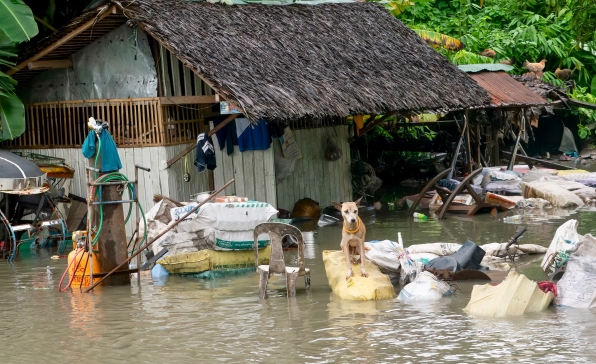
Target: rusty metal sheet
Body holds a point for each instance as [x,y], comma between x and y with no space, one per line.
[57,171]
[504,90]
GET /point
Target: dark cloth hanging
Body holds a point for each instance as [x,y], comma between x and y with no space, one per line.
[205,153]
[226,136]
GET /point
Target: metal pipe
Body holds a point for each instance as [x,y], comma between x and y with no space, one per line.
[112,202]
[168,228]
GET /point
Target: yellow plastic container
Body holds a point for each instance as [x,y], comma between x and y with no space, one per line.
[204,260]
[81,268]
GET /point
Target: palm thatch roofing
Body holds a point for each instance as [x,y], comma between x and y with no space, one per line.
[299,61]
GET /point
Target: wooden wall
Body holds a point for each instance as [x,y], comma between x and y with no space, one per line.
[254,173]
[314,176]
[167,182]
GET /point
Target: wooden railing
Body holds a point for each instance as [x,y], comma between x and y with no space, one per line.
[135,122]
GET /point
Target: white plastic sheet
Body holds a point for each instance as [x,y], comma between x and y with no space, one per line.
[426,287]
[565,242]
[577,287]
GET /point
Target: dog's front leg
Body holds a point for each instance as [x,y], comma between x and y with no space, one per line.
[346,249]
[362,270]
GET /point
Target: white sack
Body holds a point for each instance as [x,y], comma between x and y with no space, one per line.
[439,249]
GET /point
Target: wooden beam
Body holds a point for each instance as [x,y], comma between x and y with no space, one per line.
[210,133]
[179,100]
[538,162]
[61,41]
[45,65]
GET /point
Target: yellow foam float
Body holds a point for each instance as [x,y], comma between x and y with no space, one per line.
[377,286]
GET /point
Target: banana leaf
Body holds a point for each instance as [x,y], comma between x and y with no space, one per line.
[438,40]
[12,116]
[16,20]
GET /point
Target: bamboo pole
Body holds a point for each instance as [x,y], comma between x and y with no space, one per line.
[170,227]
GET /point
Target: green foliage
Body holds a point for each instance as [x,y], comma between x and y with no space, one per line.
[586,116]
[560,31]
[16,25]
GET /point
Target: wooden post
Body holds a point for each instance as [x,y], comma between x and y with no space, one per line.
[112,238]
[468,146]
[478,140]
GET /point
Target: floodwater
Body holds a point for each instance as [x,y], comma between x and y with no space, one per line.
[183,320]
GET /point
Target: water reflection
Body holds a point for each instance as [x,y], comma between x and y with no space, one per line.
[185,319]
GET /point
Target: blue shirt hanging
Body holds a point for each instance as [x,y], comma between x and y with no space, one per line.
[252,136]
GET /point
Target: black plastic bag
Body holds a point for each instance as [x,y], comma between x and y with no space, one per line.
[332,151]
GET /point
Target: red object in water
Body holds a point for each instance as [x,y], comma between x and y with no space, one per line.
[547,286]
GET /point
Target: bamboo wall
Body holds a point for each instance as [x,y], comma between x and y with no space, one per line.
[314,176]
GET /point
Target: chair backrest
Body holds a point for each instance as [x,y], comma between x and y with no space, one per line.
[276,232]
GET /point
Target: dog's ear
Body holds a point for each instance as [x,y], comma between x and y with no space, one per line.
[337,205]
[357,202]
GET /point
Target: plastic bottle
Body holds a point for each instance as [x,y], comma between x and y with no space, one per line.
[419,216]
[513,219]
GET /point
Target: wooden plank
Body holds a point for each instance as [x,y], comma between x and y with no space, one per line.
[187,81]
[155,175]
[237,161]
[222,162]
[538,162]
[164,70]
[50,64]
[248,158]
[175,67]
[61,41]
[270,184]
[259,176]
[182,100]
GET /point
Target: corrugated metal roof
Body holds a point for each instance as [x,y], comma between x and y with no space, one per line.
[506,91]
[471,68]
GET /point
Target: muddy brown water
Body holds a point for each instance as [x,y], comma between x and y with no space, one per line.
[182,319]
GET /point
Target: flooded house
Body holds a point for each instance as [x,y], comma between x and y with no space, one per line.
[163,72]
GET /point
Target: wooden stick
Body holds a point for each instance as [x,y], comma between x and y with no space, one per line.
[168,228]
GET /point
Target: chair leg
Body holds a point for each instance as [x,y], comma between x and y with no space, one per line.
[291,284]
[263,284]
[307,281]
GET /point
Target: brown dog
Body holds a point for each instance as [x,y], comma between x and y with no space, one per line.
[352,235]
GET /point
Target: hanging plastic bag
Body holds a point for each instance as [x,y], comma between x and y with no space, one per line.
[332,151]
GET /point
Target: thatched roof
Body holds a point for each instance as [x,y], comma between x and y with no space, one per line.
[296,61]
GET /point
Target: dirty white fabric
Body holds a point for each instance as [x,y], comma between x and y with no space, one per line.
[587,195]
[535,174]
[577,287]
[553,193]
[534,203]
[496,251]
[562,182]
